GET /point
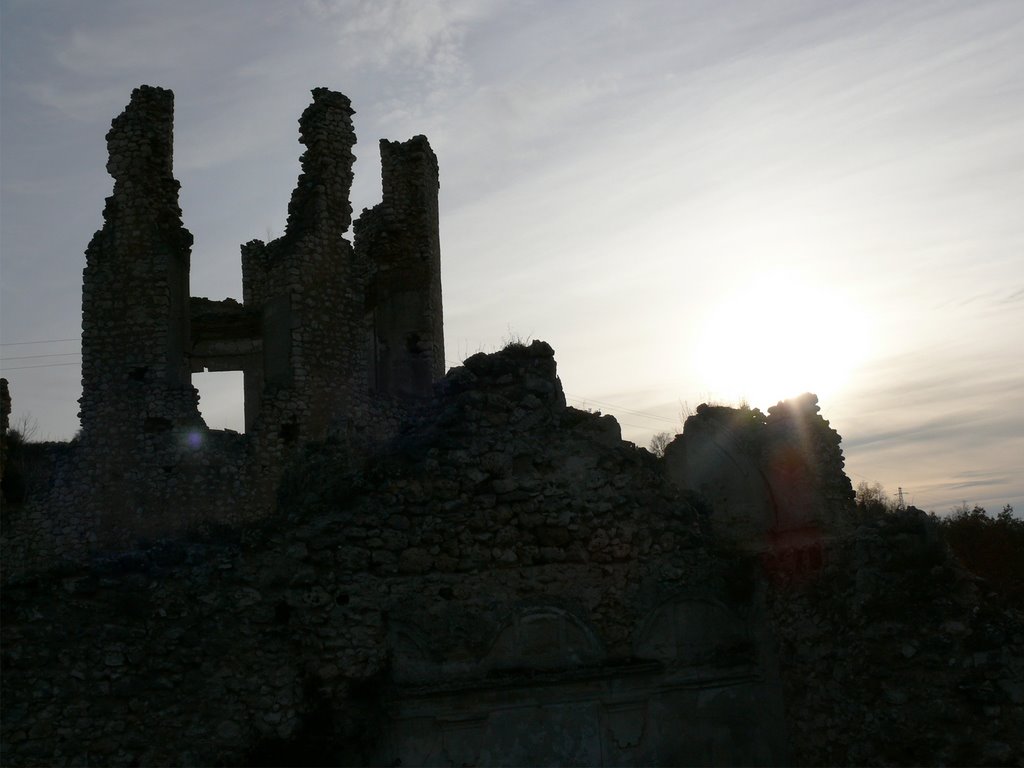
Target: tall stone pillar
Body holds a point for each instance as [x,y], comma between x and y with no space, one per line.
[135,326]
[399,243]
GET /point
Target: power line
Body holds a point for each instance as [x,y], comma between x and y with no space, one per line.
[47,365]
[30,357]
[622,408]
[69,354]
[628,424]
[42,341]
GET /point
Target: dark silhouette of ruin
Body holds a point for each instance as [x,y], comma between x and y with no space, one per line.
[337,340]
[396,565]
[332,338]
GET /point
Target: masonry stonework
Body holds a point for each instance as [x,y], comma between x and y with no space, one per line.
[135,320]
[395,565]
[398,245]
[333,344]
[5,423]
[772,481]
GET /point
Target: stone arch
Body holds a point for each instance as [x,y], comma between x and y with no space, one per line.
[409,652]
[713,460]
[543,637]
[693,630]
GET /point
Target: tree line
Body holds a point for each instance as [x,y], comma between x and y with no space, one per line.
[990,546]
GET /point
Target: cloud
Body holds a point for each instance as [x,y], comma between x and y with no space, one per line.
[975,428]
[134,42]
[423,38]
[1014,297]
[964,379]
[87,106]
[609,171]
[985,488]
[975,479]
[940,436]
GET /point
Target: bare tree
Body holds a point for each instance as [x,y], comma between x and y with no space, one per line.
[659,443]
[873,496]
[24,428]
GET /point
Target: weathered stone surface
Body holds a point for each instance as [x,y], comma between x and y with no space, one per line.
[470,572]
[769,480]
[397,243]
[225,335]
[555,619]
[409,607]
[5,420]
[145,464]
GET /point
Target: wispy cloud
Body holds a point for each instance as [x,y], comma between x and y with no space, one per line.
[609,172]
[87,106]
[966,430]
[423,38]
[1014,297]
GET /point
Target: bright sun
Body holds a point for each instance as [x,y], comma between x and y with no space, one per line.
[777,337]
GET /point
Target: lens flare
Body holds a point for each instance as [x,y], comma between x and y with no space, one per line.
[779,336]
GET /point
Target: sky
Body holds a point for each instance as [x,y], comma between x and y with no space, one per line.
[690,200]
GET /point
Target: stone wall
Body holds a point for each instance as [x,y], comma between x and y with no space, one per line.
[146,464]
[509,582]
[381,571]
[5,423]
[313,378]
[506,581]
[397,243]
[135,382]
[774,482]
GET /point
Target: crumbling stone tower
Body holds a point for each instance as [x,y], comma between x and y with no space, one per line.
[336,343]
[333,341]
[397,243]
[135,312]
[306,289]
[772,482]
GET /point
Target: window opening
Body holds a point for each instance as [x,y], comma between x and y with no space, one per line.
[221,399]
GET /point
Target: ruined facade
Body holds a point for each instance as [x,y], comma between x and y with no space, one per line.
[399,566]
[509,582]
[773,482]
[5,423]
[326,333]
[336,340]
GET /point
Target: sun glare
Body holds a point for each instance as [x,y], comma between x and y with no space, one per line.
[778,336]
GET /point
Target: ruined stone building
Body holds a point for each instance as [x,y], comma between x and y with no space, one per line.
[332,338]
[336,340]
[396,565]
